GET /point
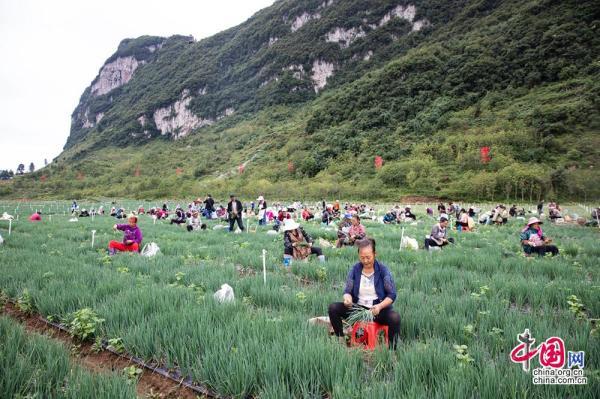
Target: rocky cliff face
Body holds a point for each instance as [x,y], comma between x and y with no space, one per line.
[177,120]
[115,74]
[287,53]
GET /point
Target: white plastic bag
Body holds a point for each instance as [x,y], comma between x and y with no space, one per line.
[410,243]
[225,294]
[150,250]
[6,216]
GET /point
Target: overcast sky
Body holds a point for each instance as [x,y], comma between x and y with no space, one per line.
[51,51]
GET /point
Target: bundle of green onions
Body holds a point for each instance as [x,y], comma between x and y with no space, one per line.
[359,314]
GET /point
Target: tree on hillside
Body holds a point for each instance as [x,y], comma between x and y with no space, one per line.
[45,162]
[31,167]
[6,174]
[20,169]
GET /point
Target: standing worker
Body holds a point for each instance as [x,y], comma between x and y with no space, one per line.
[234,212]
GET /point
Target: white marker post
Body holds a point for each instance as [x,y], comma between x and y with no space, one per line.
[264,259]
[49,218]
[93,236]
[9,226]
[401,239]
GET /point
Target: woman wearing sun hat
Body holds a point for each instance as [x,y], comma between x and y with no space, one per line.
[534,241]
[297,244]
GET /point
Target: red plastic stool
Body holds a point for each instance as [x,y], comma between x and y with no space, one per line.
[370,333]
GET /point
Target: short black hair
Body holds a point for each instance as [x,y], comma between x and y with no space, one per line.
[366,242]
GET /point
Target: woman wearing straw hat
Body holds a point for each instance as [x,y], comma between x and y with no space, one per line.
[297,243]
[534,241]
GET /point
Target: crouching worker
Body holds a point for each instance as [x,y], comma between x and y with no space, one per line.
[132,237]
[369,285]
[439,234]
[297,244]
[534,241]
[195,223]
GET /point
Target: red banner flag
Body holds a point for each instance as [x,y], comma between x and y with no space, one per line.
[43,178]
[137,172]
[80,176]
[378,162]
[291,167]
[241,168]
[178,171]
[484,152]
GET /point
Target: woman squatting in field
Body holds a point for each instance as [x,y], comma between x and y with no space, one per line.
[132,237]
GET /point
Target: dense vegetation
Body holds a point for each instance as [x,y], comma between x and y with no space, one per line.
[521,78]
[480,293]
[32,366]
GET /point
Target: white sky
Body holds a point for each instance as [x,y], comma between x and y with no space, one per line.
[52,50]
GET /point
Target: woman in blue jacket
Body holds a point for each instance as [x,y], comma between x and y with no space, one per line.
[369,285]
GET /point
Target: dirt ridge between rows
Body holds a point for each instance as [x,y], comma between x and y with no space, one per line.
[149,384]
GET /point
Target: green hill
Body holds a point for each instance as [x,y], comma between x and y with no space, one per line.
[305,95]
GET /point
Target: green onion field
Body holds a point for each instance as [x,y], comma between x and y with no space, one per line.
[480,293]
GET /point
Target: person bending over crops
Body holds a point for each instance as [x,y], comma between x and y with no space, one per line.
[355,231]
[297,244]
[408,213]
[132,237]
[307,214]
[369,286]
[35,217]
[439,234]
[179,217]
[463,220]
[534,241]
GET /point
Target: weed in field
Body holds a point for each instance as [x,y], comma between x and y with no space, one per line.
[576,307]
[84,323]
[116,344]
[132,374]
[25,302]
[97,345]
[322,273]
[462,355]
